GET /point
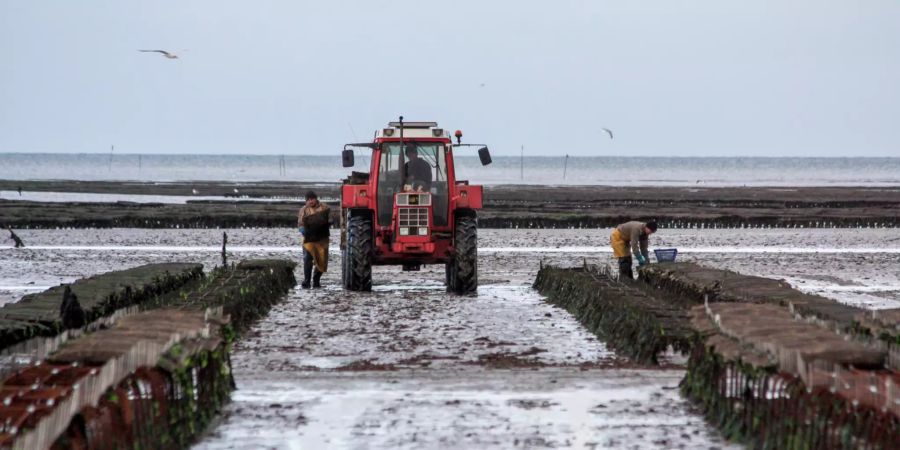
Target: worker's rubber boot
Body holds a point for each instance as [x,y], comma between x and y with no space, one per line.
[625,272]
[317,278]
[307,269]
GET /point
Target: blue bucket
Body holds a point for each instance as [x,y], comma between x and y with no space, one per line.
[665,254]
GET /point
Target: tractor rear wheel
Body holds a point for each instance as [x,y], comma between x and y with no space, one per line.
[356,261]
[462,271]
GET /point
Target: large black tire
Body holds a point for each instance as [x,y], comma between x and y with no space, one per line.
[463,270]
[356,262]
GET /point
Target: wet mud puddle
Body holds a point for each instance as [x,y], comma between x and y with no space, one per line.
[410,366]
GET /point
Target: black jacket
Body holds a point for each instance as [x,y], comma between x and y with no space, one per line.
[317,226]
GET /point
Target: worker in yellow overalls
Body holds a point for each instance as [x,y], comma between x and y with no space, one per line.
[314,221]
[631,238]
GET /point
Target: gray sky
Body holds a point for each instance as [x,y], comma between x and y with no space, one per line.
[677,78]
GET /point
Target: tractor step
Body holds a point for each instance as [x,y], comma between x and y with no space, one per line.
[412,267]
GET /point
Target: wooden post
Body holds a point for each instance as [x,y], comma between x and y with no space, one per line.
[522,163]
[224,243]
[17,241]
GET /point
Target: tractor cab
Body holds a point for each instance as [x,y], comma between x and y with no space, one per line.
[417,167]
[409,209]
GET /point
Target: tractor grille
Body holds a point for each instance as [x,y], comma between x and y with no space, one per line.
[414,217]
[423,199]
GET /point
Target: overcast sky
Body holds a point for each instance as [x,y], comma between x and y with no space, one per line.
[679,78]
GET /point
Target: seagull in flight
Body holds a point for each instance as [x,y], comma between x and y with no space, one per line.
[608,131]
[163,52]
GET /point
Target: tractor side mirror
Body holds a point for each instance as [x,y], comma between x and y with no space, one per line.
[484,155]
[347,158]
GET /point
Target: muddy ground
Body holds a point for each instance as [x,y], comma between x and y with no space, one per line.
[409,366]
[856,266]
[506,206]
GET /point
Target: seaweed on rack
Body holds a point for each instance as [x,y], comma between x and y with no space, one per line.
[167,406]
[766,408]
[632,319]
[782,390]
[38,315]
[246,291]
[699,284]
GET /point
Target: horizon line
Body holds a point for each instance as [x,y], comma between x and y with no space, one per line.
[337,155]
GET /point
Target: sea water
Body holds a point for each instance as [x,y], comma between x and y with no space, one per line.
[659,171]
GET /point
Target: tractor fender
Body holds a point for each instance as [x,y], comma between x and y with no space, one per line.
[468,197]
[355,196]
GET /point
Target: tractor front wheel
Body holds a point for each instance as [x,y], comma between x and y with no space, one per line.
[462,271]
[356,261]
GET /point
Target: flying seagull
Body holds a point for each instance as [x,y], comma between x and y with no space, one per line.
[164,53]
[609,132]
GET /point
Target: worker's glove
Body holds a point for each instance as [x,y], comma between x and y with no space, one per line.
[642,261]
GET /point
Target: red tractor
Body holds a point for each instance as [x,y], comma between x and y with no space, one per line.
[410,209]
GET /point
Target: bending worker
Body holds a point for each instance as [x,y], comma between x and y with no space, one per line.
[314,221]
[631,238]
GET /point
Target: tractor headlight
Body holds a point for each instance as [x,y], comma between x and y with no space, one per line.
[413,231]
[388,132]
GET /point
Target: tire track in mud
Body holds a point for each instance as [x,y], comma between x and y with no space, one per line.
[410,366]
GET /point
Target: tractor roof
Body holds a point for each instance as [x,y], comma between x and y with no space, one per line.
[413,124]
[412,130]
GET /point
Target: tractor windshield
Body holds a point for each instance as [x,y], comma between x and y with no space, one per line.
[418,166]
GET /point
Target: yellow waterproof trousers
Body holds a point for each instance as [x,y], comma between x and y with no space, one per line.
[619,244]
[319,252]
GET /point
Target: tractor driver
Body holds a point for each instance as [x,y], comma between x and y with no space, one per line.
[417,170]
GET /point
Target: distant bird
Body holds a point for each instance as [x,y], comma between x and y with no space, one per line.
[235,190]
[608,131]
[163,52]
[482,84]
[194,191]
